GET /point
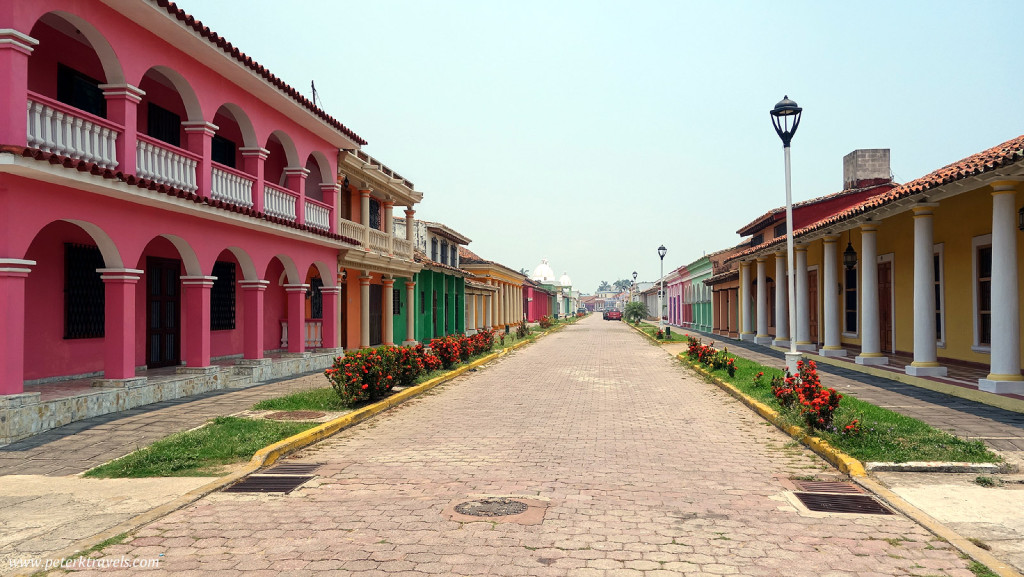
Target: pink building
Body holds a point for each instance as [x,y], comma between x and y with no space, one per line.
[165,202]
[536,300]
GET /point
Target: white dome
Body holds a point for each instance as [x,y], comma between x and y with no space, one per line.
[565,280]
[543,272]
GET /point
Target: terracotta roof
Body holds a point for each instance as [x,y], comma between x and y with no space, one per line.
[766,219]
[422,258]
[723,277]
[468,256]
[131,179]
[229,49]
[1005,154]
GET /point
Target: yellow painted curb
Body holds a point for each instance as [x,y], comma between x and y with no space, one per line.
[840,460]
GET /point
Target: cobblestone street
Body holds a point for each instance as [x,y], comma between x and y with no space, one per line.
[636,466]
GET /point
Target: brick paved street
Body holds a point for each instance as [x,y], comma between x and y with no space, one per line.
[645,469]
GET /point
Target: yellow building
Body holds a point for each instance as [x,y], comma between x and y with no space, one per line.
[506,305]
[944,276]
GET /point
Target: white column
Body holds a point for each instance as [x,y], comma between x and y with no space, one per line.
[501,305]
[781,302]
[489,310]
[803,302]
[762,338]
[870,340]
[830,289]
[410,313]
[470,313]
[925,352]
[1005,374]
[389,310]
[747,330]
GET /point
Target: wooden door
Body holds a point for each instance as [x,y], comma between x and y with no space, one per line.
[885,306]
[163,312]
[376,315]
[812,303]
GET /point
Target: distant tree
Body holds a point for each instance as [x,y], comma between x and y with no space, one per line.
[604,286]
[622,284]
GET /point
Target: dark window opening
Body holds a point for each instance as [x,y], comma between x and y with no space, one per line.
[780,230]
[756,239]
[222,297]
[222,151]
[455,256]
[433,249]
[444,252]
[985,295]
[937,267]
[163,125]
[396,302]
[851,299]
[84,295]
[316,298]
[374,214]
[82,92]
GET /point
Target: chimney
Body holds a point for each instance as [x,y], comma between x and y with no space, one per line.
[865,168]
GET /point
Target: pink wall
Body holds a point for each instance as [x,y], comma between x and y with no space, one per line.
[55,48]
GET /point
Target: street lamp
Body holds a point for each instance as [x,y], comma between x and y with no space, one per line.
[786,118]
[661,294]
[633,295]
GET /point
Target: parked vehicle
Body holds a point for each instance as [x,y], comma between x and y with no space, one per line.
[613,315]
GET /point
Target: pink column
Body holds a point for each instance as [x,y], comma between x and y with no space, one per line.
[12,322]
[119,317]
[15,49]
[199,135]
[123,108]
[252,295]
[295,180]
[296,317]
[331,316]
[196,335]
[331,195]
[253,161]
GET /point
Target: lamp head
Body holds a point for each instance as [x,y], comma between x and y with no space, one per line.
[661,251]
[786,118]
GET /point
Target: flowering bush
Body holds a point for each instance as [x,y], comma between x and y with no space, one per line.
[817,404]
[852,429]
[710,356]
[365,374]
[660,334]
[784,389]
[759,379]
[448,349]
[546,322]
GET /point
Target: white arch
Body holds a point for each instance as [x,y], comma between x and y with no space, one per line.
[183,88]
[323,164]
[242,120]
[327,274]
[290,153]
[188,256]
[111,256]
[244,262]
[290,270]
[108,58]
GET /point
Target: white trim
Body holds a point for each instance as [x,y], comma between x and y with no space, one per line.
[976,243]
[940,250]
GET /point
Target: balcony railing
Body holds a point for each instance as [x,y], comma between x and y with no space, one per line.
[279,202]
[402,246]
[61,129]
[378,241]
[314,333]
[165,164]
[318,214]
[230,185]
[352,230]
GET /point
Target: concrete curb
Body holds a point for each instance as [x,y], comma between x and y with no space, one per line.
[268,455]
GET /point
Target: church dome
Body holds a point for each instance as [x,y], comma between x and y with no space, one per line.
[543,272]
[565,280]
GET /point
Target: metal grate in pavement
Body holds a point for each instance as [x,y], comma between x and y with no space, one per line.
[268,484]
[292,469]
[828,487]
[828,503]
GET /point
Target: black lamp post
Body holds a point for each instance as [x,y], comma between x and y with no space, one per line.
[634,285]
[786,118]
[661,294]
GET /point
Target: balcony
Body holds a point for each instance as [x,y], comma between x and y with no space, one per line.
[61,129]
[232,186]
[166,164]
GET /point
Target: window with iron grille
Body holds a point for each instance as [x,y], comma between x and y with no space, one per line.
[984,257]
[433,249]
[939,317]
[396,302]
[82,92]
[444,252]
[455,256]
[222,297]
[222,151]
[374,214]
[780,230]
[163,125]
[316,298]
[84,295]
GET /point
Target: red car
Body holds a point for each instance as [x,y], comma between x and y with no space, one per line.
[613,315]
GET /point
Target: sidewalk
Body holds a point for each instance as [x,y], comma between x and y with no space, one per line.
[991,515]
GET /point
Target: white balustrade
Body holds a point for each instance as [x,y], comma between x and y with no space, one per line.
[318,216]
[231,187]
[378,241]
[60,131]
[157,162]
[277,202]
[402,246]
[352,230]
[314,334]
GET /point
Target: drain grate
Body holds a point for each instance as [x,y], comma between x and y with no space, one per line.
[826,503]
[268,484]
[828,487]
[491,507]
[293,469]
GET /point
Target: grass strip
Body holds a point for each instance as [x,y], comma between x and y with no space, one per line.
[885,435]
[324,399]
[652,330]
[200,452]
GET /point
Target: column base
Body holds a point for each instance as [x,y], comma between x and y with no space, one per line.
[832,352]
[212,369]
[747,336]
[1001,387]
[806,347]
[253,362]
[409,343]
[763,340]
[791,361]
[780,343]
[925,371]
[870,361]
[123,383]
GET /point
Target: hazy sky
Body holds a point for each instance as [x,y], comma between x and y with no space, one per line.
[590,132]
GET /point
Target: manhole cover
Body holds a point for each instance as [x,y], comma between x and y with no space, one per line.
[828,487]
[294,415]
[267,484]
[491,507]
[824,502]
